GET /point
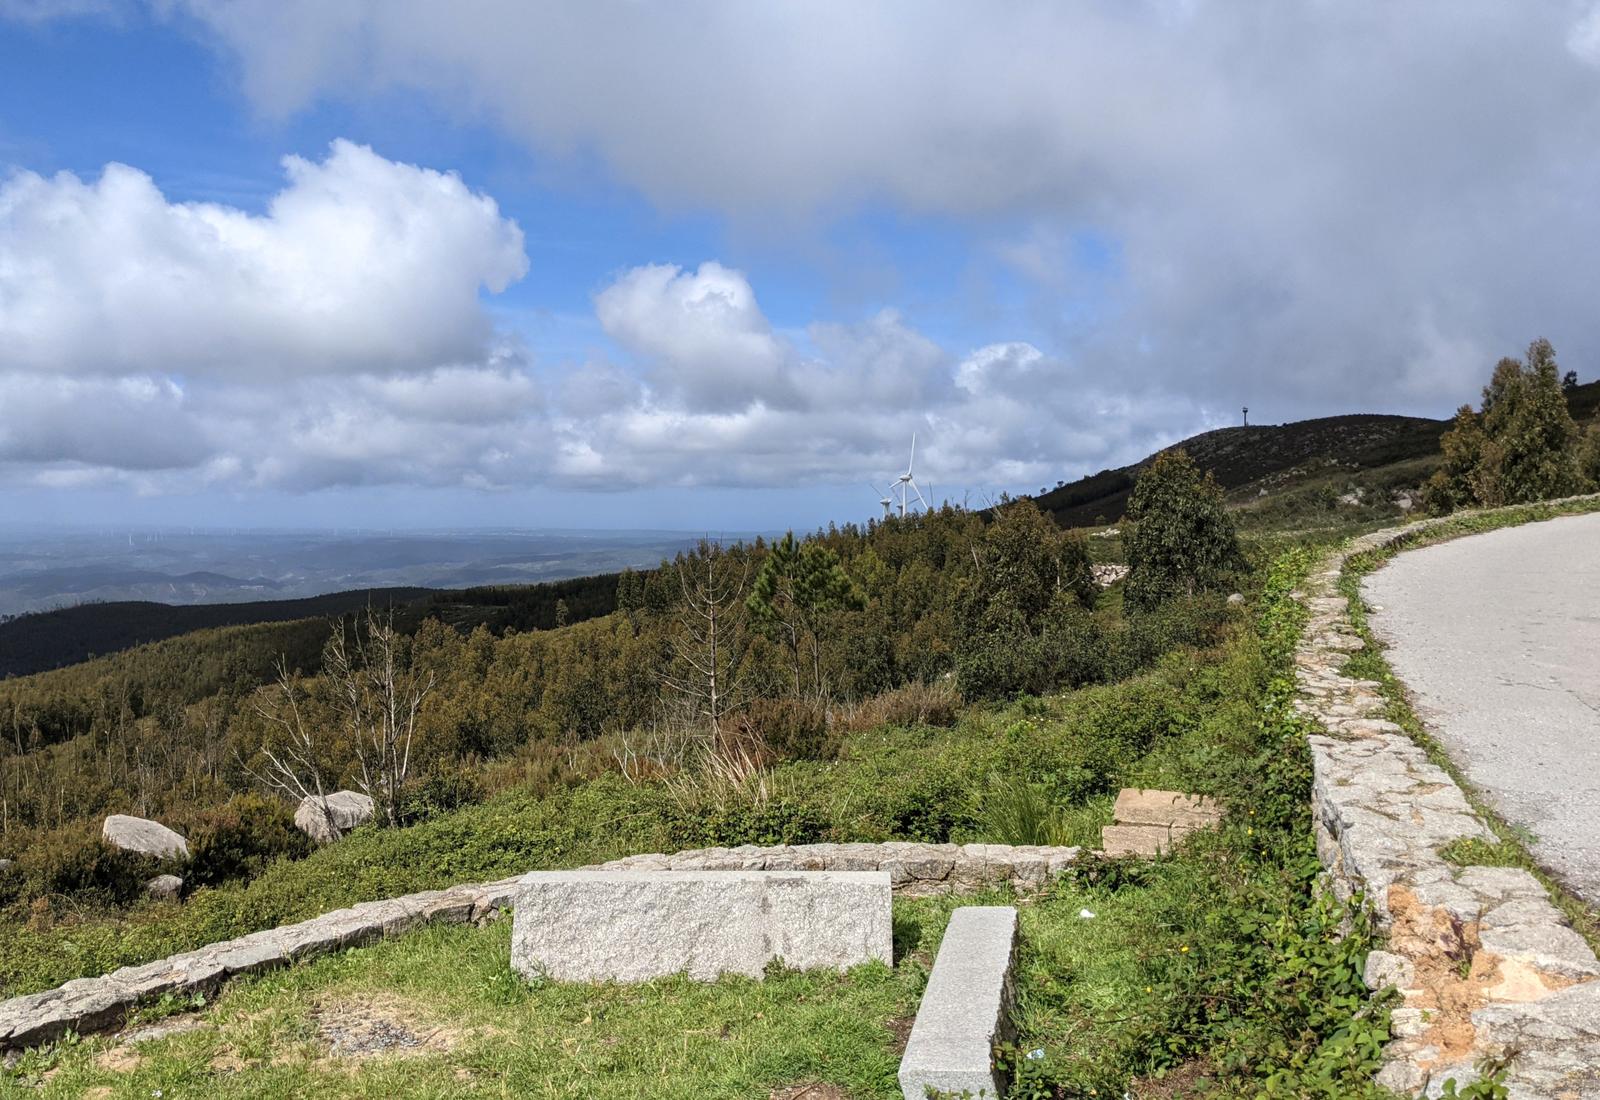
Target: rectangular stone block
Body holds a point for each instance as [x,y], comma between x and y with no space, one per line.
[632,926]
[964,1008]
[1136,806]
[1140,840]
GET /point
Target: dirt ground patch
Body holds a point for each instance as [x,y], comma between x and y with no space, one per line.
[351,1027]
[900,1029]
[816,1091]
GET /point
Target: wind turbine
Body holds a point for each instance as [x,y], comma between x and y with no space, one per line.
[908,481]
[885,500]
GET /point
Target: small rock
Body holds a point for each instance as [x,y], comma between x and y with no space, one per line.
[327,819]
[164,887]
[1385,969]
[1236,599]
[138,834]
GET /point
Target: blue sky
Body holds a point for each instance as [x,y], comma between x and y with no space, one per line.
[710,266]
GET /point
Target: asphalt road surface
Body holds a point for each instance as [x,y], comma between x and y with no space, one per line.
[1498,638]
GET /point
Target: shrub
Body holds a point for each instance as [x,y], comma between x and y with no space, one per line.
[918,703]
[75,864]
[775,821]
[792,728]
[1180,539]
[239,838]
[449,785]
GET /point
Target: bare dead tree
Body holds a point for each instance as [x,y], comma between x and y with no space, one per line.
[381,696]
[709,640]
[295,765]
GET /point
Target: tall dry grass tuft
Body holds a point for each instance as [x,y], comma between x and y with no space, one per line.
[914,704]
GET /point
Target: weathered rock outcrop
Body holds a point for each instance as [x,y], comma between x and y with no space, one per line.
[328,818]
[146,837]
[164,887]
[1485,964]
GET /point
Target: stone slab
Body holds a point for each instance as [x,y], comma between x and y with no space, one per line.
[1137,806]
[1140,840]
[964,1008]
[633,926]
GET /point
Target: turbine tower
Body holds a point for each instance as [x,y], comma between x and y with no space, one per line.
[884,499]
[908,482]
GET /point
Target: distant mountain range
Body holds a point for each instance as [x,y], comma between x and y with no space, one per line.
[47,569]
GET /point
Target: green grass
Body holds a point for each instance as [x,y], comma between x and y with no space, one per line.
[488,1033]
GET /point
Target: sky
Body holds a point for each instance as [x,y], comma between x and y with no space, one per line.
[712,265]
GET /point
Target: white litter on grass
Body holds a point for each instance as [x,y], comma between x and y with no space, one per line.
[1086,914]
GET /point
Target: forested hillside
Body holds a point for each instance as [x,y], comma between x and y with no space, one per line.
[53,639]
[522,684]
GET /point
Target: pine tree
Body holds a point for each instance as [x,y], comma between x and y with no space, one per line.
[1521,446]
[1181,538]
[1457,481]
[795,589]
[1531,433]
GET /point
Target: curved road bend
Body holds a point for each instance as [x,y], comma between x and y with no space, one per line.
[1498,638]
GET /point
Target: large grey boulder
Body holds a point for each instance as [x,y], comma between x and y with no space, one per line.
[632,926]
[149,838]
[346,808]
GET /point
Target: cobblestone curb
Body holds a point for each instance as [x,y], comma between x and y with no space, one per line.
[86,1005]
[1485,964]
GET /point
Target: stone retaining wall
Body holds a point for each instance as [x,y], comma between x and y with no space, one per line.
[1485,964]
[915,870]
[97,1004]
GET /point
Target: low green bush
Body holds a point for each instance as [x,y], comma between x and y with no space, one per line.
[238,839]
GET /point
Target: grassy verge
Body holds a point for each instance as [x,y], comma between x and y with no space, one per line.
[440,1014]
[1511,850]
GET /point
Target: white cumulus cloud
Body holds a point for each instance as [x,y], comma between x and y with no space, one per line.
[359,263]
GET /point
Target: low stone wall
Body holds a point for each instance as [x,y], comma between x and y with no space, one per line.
[915,870]
[97,1004]
[1485,964]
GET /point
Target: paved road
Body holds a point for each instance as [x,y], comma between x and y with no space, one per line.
[1498,638]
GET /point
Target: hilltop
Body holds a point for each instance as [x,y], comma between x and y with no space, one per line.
[1269,459]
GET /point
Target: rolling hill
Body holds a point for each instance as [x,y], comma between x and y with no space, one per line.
[1269,456]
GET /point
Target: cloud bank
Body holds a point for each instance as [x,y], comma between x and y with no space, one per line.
[343,338]
[1325,205]
[1304,206]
